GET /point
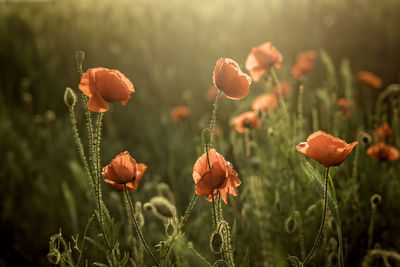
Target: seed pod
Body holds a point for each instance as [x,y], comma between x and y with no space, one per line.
[162,208]
[216,242]
[69,97]
[206,134]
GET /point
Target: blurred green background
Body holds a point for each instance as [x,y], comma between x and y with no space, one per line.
[168,49]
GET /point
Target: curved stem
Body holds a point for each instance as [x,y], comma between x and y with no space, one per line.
[138,228]
[321,227]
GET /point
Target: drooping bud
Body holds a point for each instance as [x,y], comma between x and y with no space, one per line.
[216,242]
[69,97]
[162,208]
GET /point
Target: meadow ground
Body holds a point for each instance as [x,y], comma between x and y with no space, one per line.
[55,210]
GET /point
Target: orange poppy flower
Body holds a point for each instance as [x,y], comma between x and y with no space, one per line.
[230,79]
[212,93]
[265,102]
[222,177]
[304,63]
[370,79]
[245,121]
[383,133]
[180,113]
[262,58]
[123,169]
[383,152]
[104,85]
[346,106]
[326,149]
[286,89]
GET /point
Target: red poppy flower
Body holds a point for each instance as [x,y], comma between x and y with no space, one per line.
[383,152]
[346,106]
[180,113]
[230,79]
[265,102]
[370,79]
[103,85]
[326,149]
[246,121]
[222,177]
[262,58]
[123,169]
[304,63]
[383,133]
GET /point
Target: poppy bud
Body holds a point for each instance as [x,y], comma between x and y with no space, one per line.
[206,134]
[375,200]
[162,208]
[69,97]
[80,56]
[216,242]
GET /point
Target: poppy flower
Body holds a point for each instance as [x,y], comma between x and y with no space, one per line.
[212,93]
[383,152]
[180,113]
[326,149]
[286,89]
[222,177]
[304,63]
[104,85]
[265,102]
[123,169]
[245,121]
[370,79]
[230,79]
[346,106]
[383,133]
[262,58]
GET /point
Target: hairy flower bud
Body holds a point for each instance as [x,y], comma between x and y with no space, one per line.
[216,242]
[69,97]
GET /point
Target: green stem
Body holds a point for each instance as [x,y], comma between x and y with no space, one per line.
[78,143]
[188,211]
[213,209]
[321,227]
[138,228]
[214,114]
[96,170]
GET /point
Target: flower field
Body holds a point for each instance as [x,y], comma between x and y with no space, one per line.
[200,133]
